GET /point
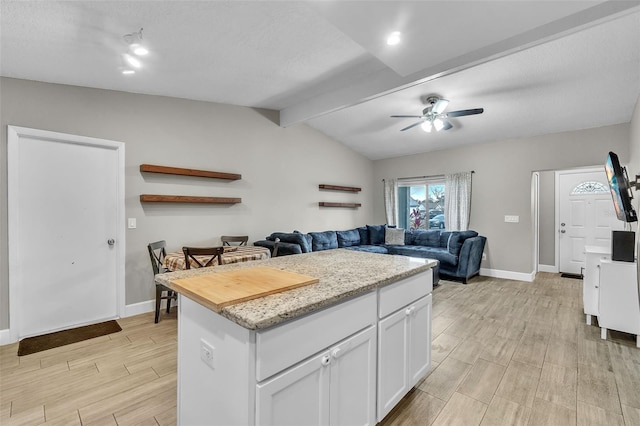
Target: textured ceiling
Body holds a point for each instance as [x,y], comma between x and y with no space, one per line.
[536,67]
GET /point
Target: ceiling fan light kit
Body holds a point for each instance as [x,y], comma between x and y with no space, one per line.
[434,117]
[136,48]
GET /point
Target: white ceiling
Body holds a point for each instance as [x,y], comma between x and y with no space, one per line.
[535,67]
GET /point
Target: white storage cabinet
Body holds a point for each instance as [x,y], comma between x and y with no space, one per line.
[335,387]
[619,302]
[404,339]
[591,279]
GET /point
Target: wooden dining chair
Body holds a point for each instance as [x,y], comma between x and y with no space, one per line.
[211,254]
[240,239]
[157,252]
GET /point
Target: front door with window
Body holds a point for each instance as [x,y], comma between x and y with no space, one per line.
[585,216]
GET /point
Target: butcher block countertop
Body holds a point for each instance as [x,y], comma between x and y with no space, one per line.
[341,274]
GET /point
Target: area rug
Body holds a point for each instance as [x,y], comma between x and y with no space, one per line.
[31,345]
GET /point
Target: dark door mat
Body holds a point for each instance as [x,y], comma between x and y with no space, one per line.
[31,345]
[568,275]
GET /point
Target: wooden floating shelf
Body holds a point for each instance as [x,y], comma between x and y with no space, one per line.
[326,204]
[340,188]
[150,168]
[149,198]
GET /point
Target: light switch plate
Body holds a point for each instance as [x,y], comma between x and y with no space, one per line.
[511,219]
[131,223]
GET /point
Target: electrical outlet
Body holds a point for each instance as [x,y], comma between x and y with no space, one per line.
[511,219]
[207,353]
[484,256]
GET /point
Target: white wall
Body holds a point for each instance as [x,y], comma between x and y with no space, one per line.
[502,182]
[281,169]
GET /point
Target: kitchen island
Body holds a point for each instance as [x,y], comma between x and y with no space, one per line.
[342,351]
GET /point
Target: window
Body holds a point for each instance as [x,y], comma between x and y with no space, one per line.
[421,204]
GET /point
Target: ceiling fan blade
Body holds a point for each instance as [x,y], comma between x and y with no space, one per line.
[413,125]
[439,106]
[464,112]
[447,125]
[406,116]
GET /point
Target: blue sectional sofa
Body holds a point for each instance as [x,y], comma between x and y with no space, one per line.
[459,252]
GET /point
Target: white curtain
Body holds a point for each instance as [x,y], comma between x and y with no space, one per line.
[457,201]
[391,201]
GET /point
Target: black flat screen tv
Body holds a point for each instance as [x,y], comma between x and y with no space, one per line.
[620,189]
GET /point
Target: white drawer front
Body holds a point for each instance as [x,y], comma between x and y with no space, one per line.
[290,343]
[397,295]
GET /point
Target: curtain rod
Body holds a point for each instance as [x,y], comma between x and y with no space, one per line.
[424,177]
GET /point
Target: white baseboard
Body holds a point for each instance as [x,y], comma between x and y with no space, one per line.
[508,275]
[144,307]
[548,268]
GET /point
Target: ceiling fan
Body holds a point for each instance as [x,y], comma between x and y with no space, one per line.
[434,117]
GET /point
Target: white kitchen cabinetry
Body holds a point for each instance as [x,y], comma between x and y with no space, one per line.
[404,341]
[335,387]
[591,279]
[322,368]
[619,303]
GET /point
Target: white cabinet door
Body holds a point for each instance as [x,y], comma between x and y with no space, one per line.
[297,397]
[353,380]
[404,350]
[619,307]
[419,340]
[392,360]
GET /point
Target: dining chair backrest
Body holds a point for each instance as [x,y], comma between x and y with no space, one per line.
[240,239]
[211,254]
[157,252]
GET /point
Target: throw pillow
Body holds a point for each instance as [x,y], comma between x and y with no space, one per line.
[364,235]
[394,236]
[376,234]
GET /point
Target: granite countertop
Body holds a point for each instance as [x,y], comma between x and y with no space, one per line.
[343,274]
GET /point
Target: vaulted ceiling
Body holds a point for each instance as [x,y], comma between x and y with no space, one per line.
[535,67]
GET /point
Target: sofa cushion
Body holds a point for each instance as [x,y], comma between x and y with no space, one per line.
[348,238]
[324,240]
[364,235]
[369,249]
[293,238]
[437,253]
[394,236]
[376,234]
[426,237]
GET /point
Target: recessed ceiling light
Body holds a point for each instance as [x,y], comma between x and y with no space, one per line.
[128,72]
[394,38]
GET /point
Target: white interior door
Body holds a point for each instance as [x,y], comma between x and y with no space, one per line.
[585,216]
[66,203]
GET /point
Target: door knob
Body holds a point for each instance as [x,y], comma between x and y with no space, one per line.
[111,241]
[562,224]
[562,231]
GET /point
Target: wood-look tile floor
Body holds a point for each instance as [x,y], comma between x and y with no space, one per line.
[515,353]
[504,353]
